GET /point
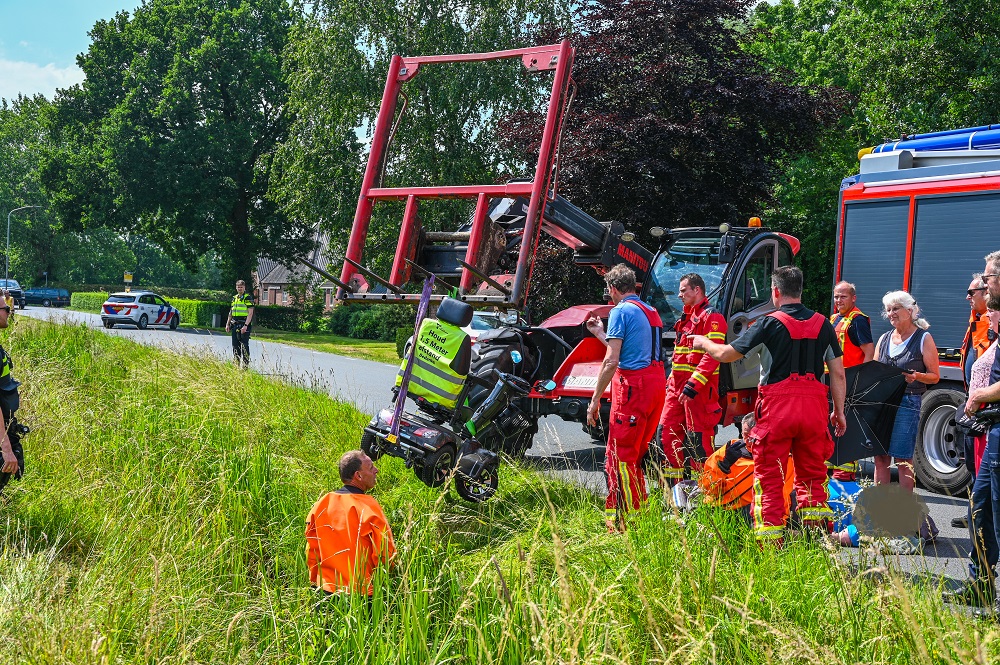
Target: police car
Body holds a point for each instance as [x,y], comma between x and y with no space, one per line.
[139,309]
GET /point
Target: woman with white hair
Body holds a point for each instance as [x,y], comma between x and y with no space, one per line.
[911,348]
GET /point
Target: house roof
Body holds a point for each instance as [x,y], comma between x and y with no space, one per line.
[270,271]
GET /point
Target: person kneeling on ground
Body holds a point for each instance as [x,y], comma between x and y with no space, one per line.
[347,534]
[727,478]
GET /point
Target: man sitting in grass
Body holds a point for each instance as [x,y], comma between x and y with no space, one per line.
[347,535]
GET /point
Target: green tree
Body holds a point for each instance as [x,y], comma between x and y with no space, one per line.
[909,66]
[172,134]
[338,59]
[34,233]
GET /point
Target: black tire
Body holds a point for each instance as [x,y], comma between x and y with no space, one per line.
[143,322]
[937,458]
[437,466]
[20,306]
[174,323]
[478,489]
[370,446]
[499,357]
[46,303]
[109,325]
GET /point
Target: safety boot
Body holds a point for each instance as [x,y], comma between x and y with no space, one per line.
[976,592]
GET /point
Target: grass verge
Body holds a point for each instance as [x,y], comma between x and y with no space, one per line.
[383,352]
[161,521]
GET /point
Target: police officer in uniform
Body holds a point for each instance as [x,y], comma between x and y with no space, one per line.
[240,318]
[10,445]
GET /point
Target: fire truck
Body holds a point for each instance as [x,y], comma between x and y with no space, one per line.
[488,262]
[920,216]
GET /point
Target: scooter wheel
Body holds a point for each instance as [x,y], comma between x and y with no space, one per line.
[437,466]
[370,446]
[478,489]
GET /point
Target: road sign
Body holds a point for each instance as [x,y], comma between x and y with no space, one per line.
[128,278]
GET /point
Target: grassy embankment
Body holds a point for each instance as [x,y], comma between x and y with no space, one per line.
[161,522]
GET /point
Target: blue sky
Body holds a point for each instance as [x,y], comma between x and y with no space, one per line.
[40,39]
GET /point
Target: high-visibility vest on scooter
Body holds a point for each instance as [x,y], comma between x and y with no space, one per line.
[436,347]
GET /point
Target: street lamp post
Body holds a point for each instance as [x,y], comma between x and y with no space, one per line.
[6,256]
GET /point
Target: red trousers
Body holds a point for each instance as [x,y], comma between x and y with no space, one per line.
[792,421]
[697,417]
[636,400]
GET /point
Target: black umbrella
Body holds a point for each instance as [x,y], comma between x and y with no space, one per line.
[874,391]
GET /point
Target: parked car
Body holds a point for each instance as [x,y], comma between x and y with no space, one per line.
[47,297]
[15,291]
[139,309]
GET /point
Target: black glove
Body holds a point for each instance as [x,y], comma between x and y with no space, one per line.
[690,389]
[733,453]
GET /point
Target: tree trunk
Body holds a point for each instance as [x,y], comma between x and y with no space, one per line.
[242,259]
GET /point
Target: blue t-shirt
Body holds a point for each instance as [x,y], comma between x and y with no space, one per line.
[629,324]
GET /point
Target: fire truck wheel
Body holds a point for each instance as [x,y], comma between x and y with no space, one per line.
[437,466]
[937,459]
[370,447]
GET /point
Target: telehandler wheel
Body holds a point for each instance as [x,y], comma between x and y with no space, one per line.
[437,466]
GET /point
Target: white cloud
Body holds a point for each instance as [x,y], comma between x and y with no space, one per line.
[29,78]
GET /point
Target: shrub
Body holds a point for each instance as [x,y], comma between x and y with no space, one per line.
[88,300]
[402,334]
[277,317]
[339,320]
[199,312]
[379,322]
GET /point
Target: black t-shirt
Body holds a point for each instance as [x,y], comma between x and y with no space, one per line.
[860,330]
[771,339]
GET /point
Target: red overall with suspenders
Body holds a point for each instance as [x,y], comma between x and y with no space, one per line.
[636,401]
[792,420]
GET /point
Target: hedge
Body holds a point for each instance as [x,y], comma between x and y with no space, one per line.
[277,317]
[168,292]
[88,300]
[199,312]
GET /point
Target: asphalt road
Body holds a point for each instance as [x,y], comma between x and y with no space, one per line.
[560,447]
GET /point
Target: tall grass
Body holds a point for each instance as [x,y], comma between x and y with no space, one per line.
[161,521]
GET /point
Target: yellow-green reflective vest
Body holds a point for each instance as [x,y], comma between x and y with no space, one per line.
[240,309]
[437,345]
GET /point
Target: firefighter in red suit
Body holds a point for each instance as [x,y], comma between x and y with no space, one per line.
[691,410]
[634,368]
[791,410]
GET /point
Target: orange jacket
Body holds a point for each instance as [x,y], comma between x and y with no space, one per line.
[853,355]
[689,363]
[347,536]
[979,325]
[734,490]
